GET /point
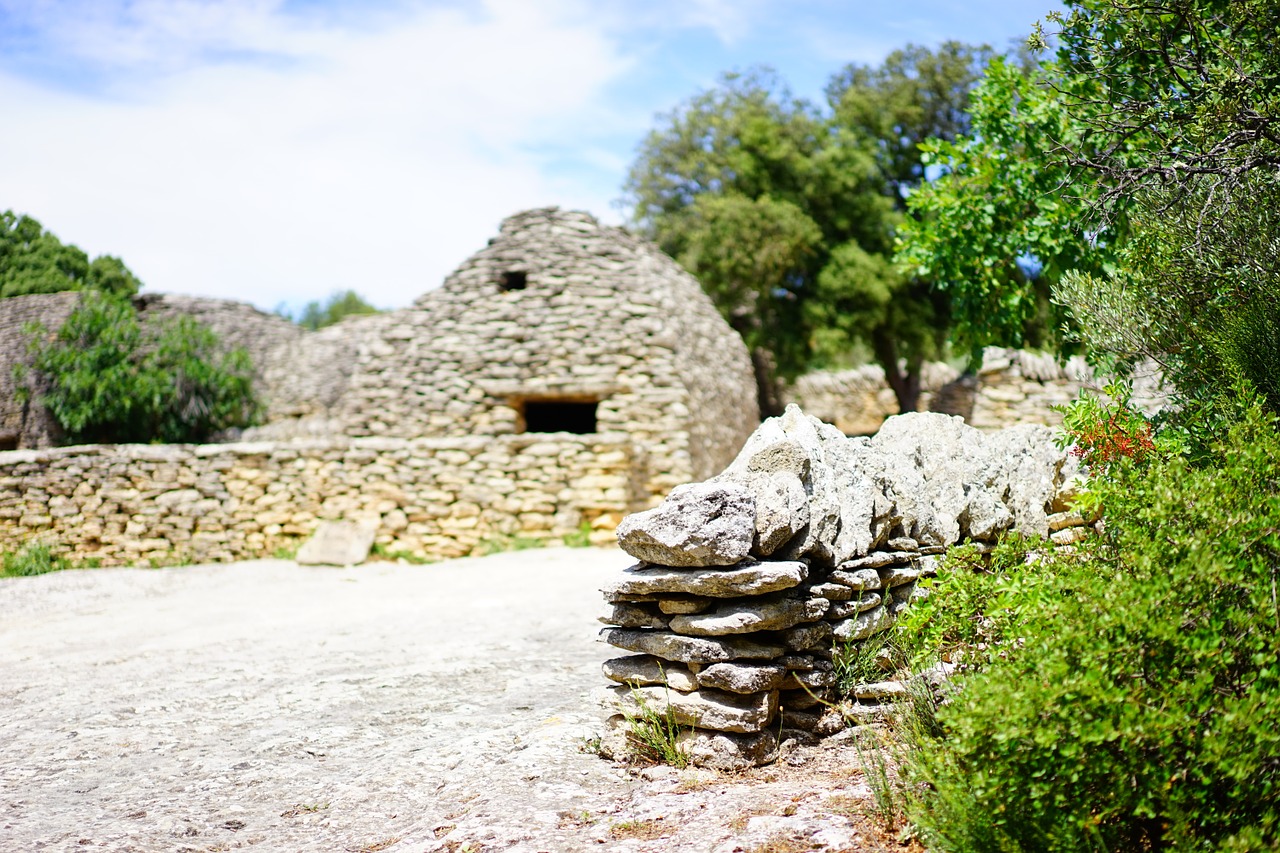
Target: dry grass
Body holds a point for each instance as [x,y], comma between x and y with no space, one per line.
[645,830]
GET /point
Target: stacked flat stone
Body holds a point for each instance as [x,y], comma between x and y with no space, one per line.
[808,541]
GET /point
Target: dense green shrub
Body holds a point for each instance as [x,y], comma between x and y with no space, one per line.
[1137,709]
[112,379]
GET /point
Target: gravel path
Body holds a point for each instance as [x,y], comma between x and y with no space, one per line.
[269,706]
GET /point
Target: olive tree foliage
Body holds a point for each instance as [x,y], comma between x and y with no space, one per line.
[1179,110]
[33,260]
[1137,167]
[786,212]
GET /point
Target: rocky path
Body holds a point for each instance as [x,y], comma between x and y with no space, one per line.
[267,706]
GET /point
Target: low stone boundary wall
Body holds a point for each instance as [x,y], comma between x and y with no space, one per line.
[810,541]
[1011,387]
[430,498]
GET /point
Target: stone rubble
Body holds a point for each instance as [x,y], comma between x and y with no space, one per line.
[741,652]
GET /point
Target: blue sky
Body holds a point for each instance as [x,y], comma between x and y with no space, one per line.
[277,150]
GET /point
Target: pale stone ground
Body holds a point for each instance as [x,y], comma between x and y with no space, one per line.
[267,706]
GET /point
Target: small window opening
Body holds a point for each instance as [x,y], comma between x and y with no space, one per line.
[8,441]
[515,280]
[574,416]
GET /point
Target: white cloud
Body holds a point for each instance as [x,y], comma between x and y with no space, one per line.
[372,159]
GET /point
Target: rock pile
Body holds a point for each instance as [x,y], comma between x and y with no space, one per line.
[808,540]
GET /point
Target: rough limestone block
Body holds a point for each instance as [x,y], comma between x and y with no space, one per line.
[831,591]
[699,524]
[899,575]
[643,670]
[863,625]
[337,543]
[690,649]
[782,510]
[745,579]
[742,677]
[748,617]
[881,691]
[702,709]
[845,609]
[860,579]
[876,560]
[626,615]
[728,752]
[691,604]
[808,638]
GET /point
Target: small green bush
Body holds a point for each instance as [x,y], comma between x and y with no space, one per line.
[114,380]
[974,606]
[1138,709]
[35,559]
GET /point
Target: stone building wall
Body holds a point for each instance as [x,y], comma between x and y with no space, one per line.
[429,498]
[25,423]
[555,308]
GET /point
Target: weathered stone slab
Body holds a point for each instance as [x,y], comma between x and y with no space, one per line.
[863,625]
[750,617]
[898,575]
[728,752]
[876,560]
[881,691]
[643,670]
[782,509]
[699,524]
[859,579]
[337,543]
[691,604]
[702,709]
[748,578]
[808,638]
[845,609]
[742,677]
[832,591]
[690,649]
[626,615]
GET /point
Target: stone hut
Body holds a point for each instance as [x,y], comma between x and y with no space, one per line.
[23,421]
[559,325]
[564,376]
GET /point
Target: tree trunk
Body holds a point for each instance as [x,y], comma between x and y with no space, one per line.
[768,393]
[905,384]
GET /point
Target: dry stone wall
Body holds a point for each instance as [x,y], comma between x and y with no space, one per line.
[857,401]
[428,498]
[1011,387]
[809,539]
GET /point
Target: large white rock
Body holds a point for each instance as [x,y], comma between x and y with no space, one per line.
[699,524]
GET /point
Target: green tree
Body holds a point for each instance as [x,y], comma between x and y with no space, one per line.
[340,304]
[32,260]
[786,213]
[1137,168]
[111,379]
